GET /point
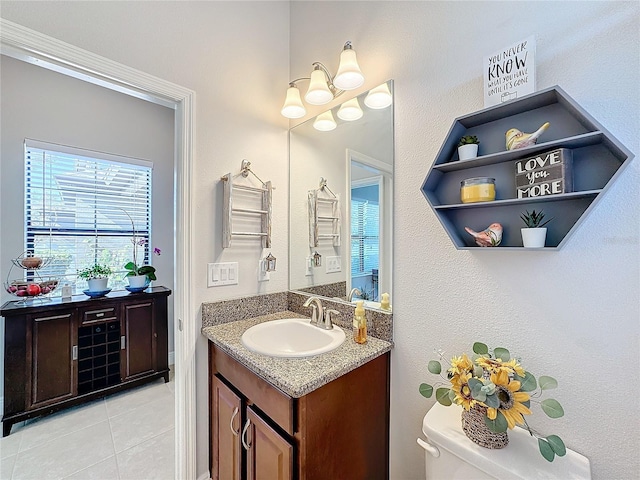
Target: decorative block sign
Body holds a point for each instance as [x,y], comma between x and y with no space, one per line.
[548,173]
[510,73]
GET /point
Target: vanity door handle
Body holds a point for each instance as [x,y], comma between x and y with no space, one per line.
[233,417]
[244,435]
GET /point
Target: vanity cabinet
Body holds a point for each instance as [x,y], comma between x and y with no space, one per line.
[340,430]
[597,160]
[63,353]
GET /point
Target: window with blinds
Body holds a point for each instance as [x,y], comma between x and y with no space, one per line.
[82,208]
[365,240]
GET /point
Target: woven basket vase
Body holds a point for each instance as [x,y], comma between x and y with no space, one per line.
[478,432]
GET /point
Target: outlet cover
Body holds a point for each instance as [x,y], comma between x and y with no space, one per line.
[263,275]
[219,274]
[308,272]
[334,264]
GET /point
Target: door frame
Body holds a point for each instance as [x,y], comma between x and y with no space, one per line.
[34,47]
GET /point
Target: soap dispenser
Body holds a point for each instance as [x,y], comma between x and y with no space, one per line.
[384,303]
[359,323]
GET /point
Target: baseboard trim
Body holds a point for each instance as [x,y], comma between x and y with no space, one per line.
[204,476]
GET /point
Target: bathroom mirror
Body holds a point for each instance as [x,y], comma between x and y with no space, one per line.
[341,201]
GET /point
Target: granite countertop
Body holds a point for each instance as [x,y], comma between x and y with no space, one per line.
[294,376]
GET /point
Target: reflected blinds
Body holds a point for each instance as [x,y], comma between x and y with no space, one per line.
[365,228]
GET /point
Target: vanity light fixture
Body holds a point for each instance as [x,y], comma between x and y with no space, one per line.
[379,97]
[322,86]
[325,122]
[350,110]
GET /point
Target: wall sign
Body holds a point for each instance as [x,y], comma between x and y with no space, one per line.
[510,73]
[548,173]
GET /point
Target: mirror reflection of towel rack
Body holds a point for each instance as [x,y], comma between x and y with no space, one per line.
[319,207]
[264,191]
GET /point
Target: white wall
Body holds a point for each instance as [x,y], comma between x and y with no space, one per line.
[572,314]
[235,56]
[43,105]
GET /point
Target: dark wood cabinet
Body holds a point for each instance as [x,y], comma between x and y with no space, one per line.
[62,353]
[226,425]
[269,454]
[53,354]
[340,430]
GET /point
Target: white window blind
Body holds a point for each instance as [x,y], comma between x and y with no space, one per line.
[76,206]
[365,241]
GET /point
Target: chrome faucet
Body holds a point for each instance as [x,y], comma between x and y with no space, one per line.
[320,317]
[354,291]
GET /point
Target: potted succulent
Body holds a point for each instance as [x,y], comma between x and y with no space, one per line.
[468,147]
[534,234]
[96,276]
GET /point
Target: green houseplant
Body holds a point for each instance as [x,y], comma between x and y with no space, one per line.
[139,275]
[96,276]
[468,147]
[534,235]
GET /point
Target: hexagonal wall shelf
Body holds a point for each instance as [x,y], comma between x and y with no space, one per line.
[597,160]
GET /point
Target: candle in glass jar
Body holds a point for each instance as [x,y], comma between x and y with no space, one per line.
[478,189]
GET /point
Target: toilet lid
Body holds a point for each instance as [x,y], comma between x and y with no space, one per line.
[520,459]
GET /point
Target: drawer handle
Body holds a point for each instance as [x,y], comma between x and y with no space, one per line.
[56,317]
[74,352]
[233,417]
[123,342]
[99,314]
[246,445]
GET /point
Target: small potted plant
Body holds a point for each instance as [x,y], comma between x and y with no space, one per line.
[468,147]
[96,276]
[534,234]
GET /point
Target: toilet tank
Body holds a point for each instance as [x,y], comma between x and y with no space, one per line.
[449,454]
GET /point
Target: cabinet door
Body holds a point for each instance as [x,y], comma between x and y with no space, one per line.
[226,421]
[53,358]
[269,455]
[139,339]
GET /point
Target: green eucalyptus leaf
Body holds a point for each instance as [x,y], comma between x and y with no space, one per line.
[547,383]
[480,348]
[528,382]
[478,371]
[476,390]
[557,445]
[527,403]
[498,425]
[552,408]
[452,395]
[435,367]
[442,395]
[546,450]
[492,401]
[426,390]
[502,353]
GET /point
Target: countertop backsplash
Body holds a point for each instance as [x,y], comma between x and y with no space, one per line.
[379,324]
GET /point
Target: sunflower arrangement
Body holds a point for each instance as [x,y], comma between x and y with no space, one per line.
[497,385]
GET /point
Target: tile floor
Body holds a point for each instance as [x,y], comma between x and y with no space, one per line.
[126,436]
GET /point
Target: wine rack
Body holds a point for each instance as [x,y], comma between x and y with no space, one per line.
[99,347]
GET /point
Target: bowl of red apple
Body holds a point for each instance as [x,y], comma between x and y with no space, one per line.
[26,289]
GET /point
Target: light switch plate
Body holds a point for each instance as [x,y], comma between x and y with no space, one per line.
[333,265]
[219,274]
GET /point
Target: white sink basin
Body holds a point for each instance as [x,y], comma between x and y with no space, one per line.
[292,338]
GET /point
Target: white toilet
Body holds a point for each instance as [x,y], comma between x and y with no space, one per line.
[451,455]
